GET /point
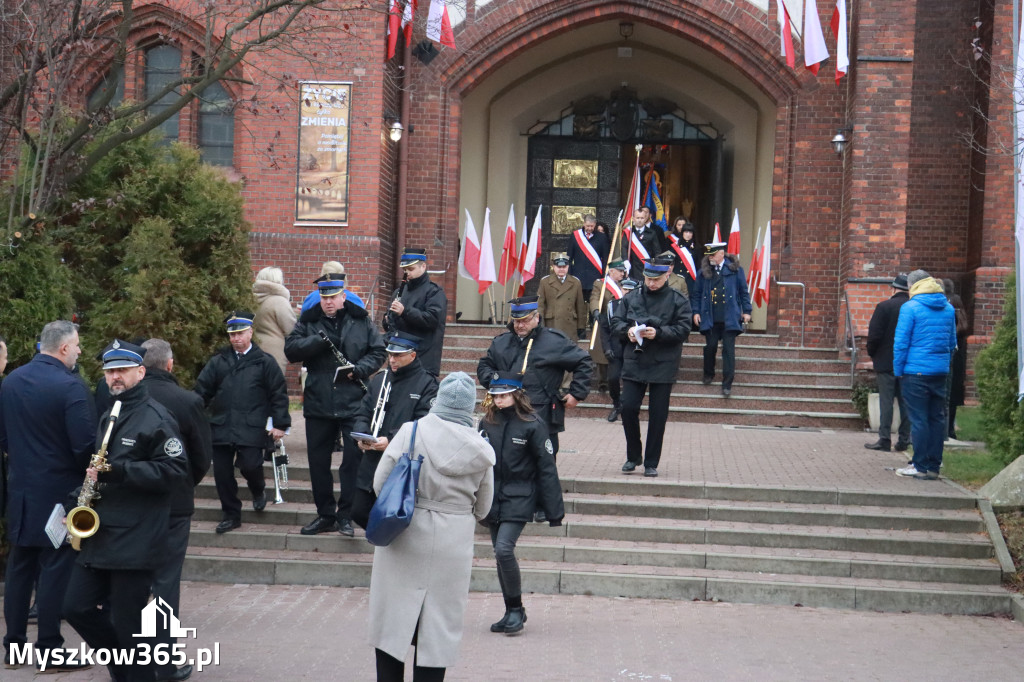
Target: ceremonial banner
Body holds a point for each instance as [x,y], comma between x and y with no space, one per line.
[321,192]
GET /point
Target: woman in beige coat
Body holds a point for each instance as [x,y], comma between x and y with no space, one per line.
[420,582]
[275,317]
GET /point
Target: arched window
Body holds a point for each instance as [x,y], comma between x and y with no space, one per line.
[113,79]
[216,126]
[163,66]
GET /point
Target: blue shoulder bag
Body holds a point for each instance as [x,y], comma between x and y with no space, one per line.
[392,512]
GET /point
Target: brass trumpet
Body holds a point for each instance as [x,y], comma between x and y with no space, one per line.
[83,521]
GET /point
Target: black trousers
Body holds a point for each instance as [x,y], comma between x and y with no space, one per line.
[615,380]
[127,593]
[249,460]
[321,435]
[167,578]
[657,415]
[504,536]
[712,336]
[53,568]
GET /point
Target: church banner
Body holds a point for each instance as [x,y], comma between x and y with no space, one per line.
[321,191]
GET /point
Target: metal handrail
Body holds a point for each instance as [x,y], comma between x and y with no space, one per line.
[851,338]
[803,304]
[371,304]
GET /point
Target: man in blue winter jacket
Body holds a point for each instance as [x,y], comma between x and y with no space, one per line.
[925,338]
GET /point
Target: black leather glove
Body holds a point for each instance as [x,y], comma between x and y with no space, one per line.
[594,314]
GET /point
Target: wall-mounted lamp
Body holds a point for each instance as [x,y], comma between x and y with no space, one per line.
[394,126]
[626,29]
[842,140]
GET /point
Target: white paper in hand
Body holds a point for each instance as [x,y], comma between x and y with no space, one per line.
[636,333]
[55,528]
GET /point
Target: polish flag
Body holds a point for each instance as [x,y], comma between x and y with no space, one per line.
[410,7]
[815,51]
[632,200]
[439,26]
[394,22]
[838,25]
[469,256]
[764,278]
[786,34]
[733,246]
[529,263]
[754,272]
[509,256]
[718,234]
[485,273]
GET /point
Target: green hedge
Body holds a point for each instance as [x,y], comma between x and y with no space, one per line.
[995,371]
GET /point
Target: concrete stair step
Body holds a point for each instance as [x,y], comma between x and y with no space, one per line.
[712,398]
[743,362]
[476,347]
[741,417]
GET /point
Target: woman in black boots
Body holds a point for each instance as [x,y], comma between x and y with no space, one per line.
[525,479]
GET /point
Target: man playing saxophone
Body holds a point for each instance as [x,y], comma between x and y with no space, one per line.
[146,461]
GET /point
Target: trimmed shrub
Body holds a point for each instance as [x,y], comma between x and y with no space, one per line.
[995,371]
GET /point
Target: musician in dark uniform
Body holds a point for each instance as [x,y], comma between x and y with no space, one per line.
[552,354]
[243,387]
[403,392]
[419,307]
[341,349]
[660,316]
[146,461]
[609,344]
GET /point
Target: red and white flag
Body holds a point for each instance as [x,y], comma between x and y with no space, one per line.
[439,26]
[764,278]
[733,246]
[838,25]
[786,34]
[613,287]
[755,264]
[632,200]
[485,275]
[394,22]
[815,51]
[469,256]
[529,262]
[407,13]
[509,249]
[684,255]
[718,234]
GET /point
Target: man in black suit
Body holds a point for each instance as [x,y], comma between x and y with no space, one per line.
[881,335]
[588,255]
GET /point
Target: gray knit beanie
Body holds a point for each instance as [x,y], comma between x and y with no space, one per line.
[456,399]
[916,276]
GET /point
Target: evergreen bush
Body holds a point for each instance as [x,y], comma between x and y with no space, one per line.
[995,371]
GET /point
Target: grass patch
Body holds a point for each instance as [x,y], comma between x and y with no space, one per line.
[970,468]
[968,422]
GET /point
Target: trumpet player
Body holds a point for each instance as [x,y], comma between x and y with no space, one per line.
[341,348]
[145,461]
[543,356]
[419,306]
[47,429]
[403,392]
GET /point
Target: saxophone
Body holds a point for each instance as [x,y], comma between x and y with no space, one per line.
[83,521]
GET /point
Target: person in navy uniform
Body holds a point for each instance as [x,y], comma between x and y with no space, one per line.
[47,429]
[115,568]
[412,392]
[420,310]
[246,394]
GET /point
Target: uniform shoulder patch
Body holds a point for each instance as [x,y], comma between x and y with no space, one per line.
[433,400]
[549,447]
[173,447]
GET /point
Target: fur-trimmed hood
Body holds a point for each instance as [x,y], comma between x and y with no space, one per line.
[732,262]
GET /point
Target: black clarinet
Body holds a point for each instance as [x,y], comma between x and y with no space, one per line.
[343,362]
[388,322]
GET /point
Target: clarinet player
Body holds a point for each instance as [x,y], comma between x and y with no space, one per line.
[419,307]
[341,348]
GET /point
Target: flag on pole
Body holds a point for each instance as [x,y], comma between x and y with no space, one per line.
[718,234]
[815,51]
[523,247]
[394,23]
[410,7]
[786,34]
[485,273]
[632,199]
[838,25]
[439,26]
[652,200]
[733,246]
[469,256]
[764,279]
[509,254]
[755,265]
[529,263]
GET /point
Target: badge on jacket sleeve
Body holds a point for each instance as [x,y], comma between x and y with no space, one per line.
[549,447]
[172,447]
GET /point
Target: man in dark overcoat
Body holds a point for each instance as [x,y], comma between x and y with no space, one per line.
[47,429]
[333,395]
[551,355]
[881,334]
[420,310]
[653,322]
[243,388]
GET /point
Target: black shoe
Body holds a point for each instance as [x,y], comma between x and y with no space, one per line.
[345,528]
[53,668]
[629,467]
[900,447]
[880,445]
[650,472]
[320,524]
[540,516]
[516,621]
[227,524]
[33,613]
[182,673]
[726,391]
[614,414]
[707,380]
[259,503]
[500,625]
[116,675]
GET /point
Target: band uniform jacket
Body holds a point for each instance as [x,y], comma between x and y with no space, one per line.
[413,391]
[147,460]
[552,355]
[525,475]
[580,266]
[599,354]
[354,334]
[49,449]
[561,304]
[241,393]
[426,308]
[666,310]
[187,409]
